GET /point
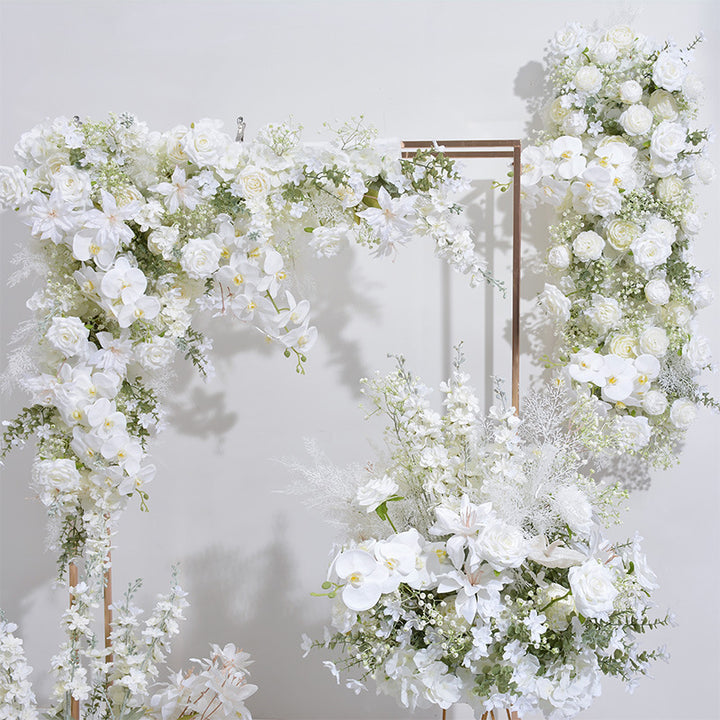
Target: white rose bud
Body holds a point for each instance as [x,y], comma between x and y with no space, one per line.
[636,120]
[663,105]
[68,335]
[670,189]
[631,92]
[683,413]
[559,257]
[654,402]
[593,589]
[668,140]
[621,233]
[588,79]
[657,292]
[588,245]
[669,71]
[654,341]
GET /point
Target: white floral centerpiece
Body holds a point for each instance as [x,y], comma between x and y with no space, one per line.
[619,159]
[473,566]
[134,232]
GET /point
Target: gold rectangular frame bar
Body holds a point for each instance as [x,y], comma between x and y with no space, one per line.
[487,149]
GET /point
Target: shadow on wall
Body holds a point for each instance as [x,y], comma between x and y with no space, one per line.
[254,601]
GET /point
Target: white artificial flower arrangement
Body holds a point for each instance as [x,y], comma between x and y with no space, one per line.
[135,232]
[472,566]
[619,158]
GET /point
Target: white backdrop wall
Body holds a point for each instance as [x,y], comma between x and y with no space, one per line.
[250,556]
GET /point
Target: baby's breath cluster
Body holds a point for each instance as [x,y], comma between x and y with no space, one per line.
[473,566]
[619,159]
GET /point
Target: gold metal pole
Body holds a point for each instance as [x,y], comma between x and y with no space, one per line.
[73,581]
[516,264]
[107,601]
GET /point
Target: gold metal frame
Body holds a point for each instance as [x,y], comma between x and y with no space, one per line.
[489,149]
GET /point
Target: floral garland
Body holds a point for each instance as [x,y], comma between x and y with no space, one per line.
[618,159]
[134,233]
[473,567]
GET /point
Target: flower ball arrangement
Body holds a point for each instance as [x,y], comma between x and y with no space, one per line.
[473,566]
[619,159]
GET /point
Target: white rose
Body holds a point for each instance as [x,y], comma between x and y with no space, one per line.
[631,92]
[376,491]
[604,313]
[633,432]
[678,313]
[691,223]
[670,189]
[669,71]
[704,170]
[654,341]
[621,36]
[593,589]
[650,250]
[625,346]
[697,352]
[174,144]
[163,241]
[559,257]
[663,105]
[502,545]
[200,258]
[205,143]
[588,79]
[575,123]
[621,233]
[68,335]
[14,187]
[636,120]
[56,480]
[569,39]
[657,292]
[668,140]
[654,402]
[693,87]
[574,509]
[683,413]
[605,52]
[588,245]
[702,295]
[555,303]
[72,185]
[156,354]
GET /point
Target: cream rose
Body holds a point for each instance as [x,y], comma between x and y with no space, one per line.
[588,79]
[593,589]
[668,140]
[657,292]
[559,606]
[654,341]
[68,335]
[654,402]
[636,120]
[621,36]
[670,189]
[559,257]
[559,110]
[669,71]
[174,144]
[254,181]
[631,92]
[663,105]
[678,313]
[624,346]
[621,233]
[588,245]
[683,413]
